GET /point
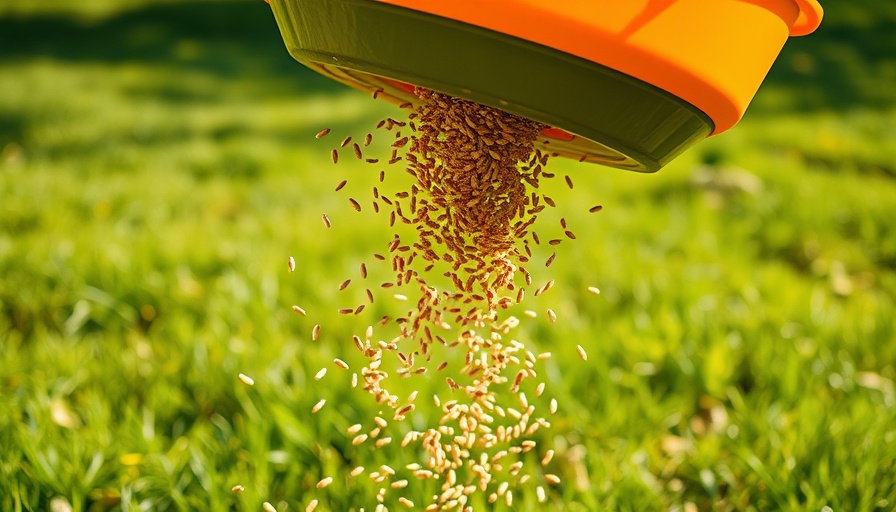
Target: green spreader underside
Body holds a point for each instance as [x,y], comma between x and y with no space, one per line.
[616,120]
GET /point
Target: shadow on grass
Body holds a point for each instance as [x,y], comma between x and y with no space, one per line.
[229,39]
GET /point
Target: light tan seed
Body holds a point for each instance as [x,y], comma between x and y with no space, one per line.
[326,220]
[245,379]
[553,406]
[399,296]
[325,482]
[552,317]
[315,332]
[318,406]
[236,489]
[340,363]
[291,264]
[357,471]
[298,310]
[406,502]
[267,507]
[322,133]
[594,290]
[320,374]
[311,506]
[359,439]
[354,429]
[399,484]
[552,479]
[582,353]
[547,457]
[539,389]
[539,493]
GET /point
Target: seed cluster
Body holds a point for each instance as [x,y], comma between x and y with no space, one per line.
[469,208]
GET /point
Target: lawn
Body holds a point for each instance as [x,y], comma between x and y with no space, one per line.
[158,165]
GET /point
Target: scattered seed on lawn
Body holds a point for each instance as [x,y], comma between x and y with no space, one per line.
[358,470]
[318,406]
[322,133]
[246,380]
[291,264]
[236,489]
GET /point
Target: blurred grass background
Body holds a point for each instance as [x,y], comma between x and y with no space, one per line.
[158,165]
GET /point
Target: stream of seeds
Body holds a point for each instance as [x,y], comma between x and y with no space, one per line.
[471,204]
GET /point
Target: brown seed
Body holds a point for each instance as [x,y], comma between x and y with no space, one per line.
[340,185]
[595,209]
[322,133]
[368,139]
[298,310]
[345,284]
[340,363]
[346,141]
[570,234]
[550,259]
[236,489]
[363,268]
[326,220]
[356,205]
[315,332]
[555,241]
[357,150]
[346,311]
[568,181]
[335,156]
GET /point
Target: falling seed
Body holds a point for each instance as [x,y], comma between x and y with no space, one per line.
[547,457]
[552,317]
[318,406]
[368,139]
[357,150]
[359,439]
[553,407]
[356,205]
[540,389]
[399,296]
[298,310]
[550,259]
[322,133]
[325,482]
[236,489]
[594,290]
[530,313]
[354,429]
[406,502]
[315,332]
[311,506]
[245,379]
[539,493]
[340,185]
[320,374]
[552,479]
[568,181]
[345,284]
[268,507]
[357,471]
[595,209]
[335,156]
[570,234]
[291,264]
[582,353]
[326,220]
[340,363]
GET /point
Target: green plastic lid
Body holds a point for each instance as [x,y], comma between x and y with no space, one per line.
[595,114]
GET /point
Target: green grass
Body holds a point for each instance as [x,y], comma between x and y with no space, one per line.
[158,165]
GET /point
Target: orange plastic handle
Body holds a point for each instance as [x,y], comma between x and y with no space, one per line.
[809,18]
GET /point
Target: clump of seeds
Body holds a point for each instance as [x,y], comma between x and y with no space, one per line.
[470,206]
